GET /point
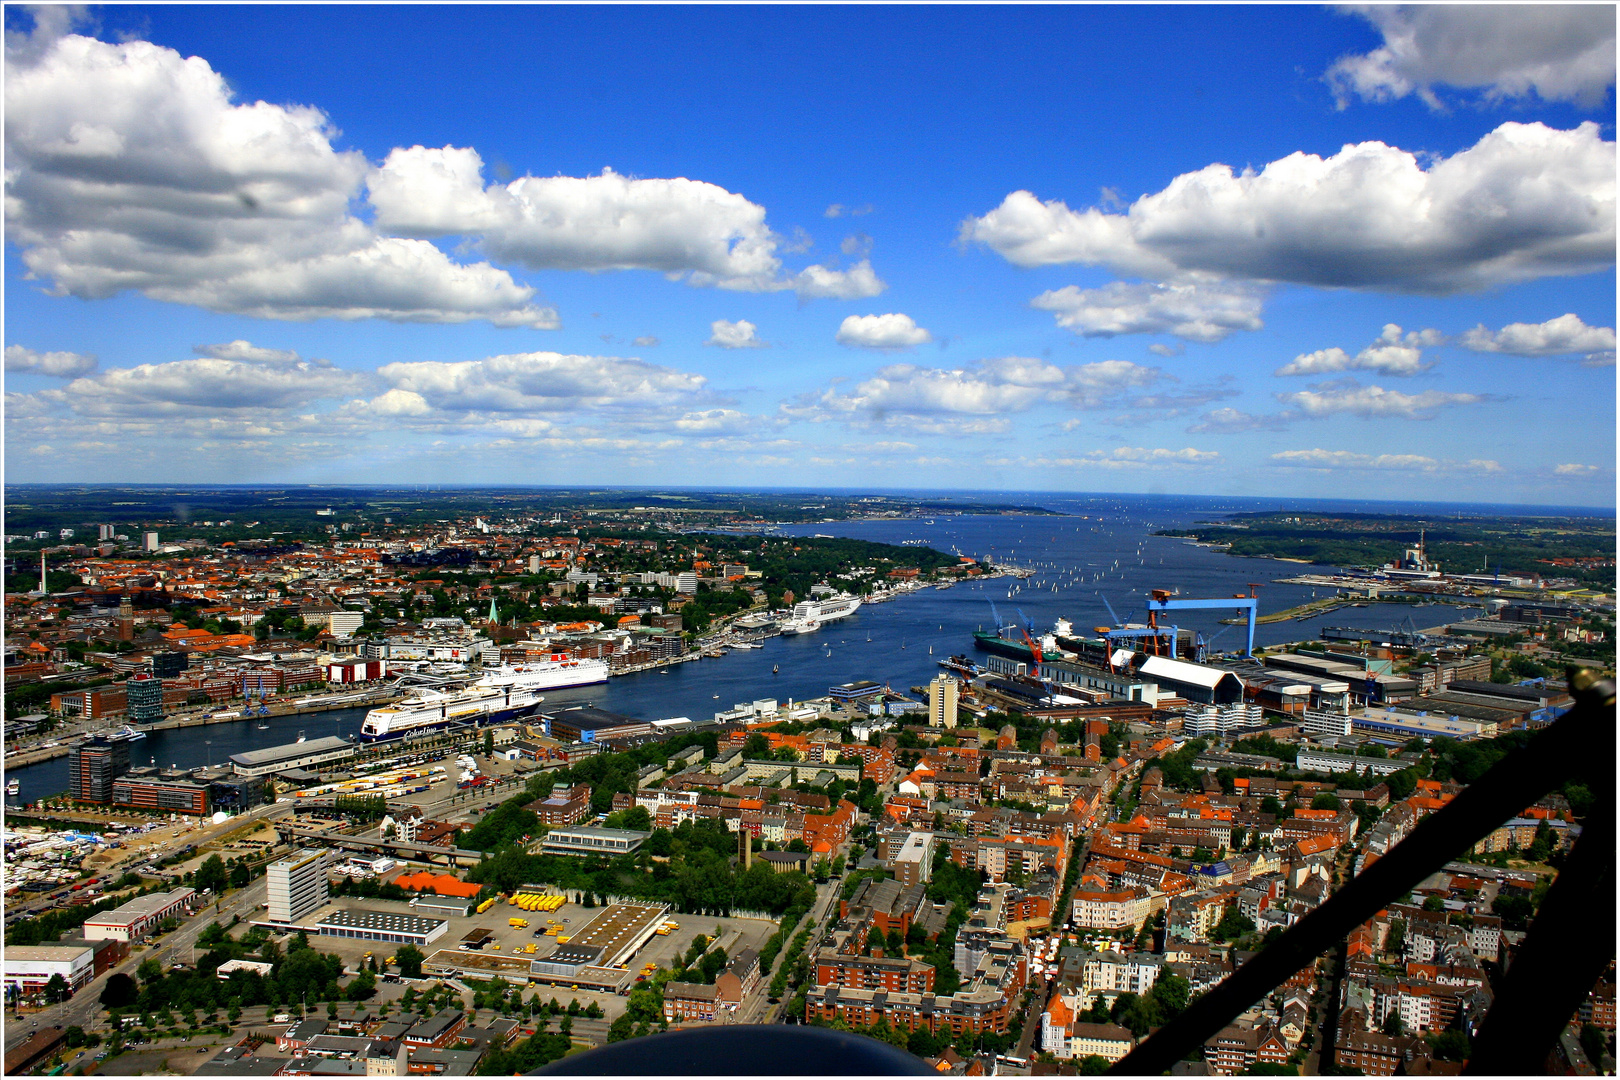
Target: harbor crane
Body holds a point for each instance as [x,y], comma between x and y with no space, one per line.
[1123,631]
[1160,600]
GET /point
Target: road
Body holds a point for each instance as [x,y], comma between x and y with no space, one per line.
[760,1010]
[82,1007]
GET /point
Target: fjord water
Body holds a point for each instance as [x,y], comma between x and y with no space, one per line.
[1099,548]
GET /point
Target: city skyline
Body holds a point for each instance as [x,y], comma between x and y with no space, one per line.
[1257,252]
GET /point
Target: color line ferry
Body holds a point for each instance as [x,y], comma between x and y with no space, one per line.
[504,693]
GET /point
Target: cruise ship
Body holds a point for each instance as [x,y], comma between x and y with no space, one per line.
[828,608]
[504,693]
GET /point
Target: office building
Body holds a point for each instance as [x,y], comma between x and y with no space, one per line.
[93,765]
[153,789]
[149,541]
[145,699]
[169,665]
[297,885]
[942,702]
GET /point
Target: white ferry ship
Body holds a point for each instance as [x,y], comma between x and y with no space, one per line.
[504,693]
[827,609]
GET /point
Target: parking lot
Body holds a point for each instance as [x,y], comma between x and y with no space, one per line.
[507,940]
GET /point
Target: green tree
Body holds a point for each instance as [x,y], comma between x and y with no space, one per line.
[363,986]
[409,958]
[1325,800]
[211,874]
[119,993]
[1450,1045]
[57,989]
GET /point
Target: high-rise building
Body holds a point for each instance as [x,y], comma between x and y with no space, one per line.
[106,532]
[297,885]
[169,665]
[686,582]
[149,541]
[942,702]
[145,701]
[93,765]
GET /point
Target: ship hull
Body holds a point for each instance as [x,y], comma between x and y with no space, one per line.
[399,729]
[993,643]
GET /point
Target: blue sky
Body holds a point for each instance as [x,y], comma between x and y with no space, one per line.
[1225,250]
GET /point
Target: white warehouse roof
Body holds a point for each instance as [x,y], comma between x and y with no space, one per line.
[1183,672]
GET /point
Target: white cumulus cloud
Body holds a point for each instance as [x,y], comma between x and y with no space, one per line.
[1575,470]
[63,365]
[1229,421]
[539,382]
[129,167]
[250,353]
[892,331]
[1346,459]
[686,229]
[734,335]
[936,399]
[205,385]
[1564,336]
[824,282]
[1525,201]
[1195,311]
[1557,52]
[1371,401]
[605,222]
[1393,353]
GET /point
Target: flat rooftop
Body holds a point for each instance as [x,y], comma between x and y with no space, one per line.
[494,963]
[291,751]
[53,953]
[138,908]
[590,719]
[617,928]
[388,922]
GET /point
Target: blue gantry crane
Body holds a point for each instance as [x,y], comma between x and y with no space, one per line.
[1160,600]
[1123,631]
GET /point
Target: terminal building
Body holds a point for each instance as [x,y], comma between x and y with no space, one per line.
[296,755]
[587,725]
